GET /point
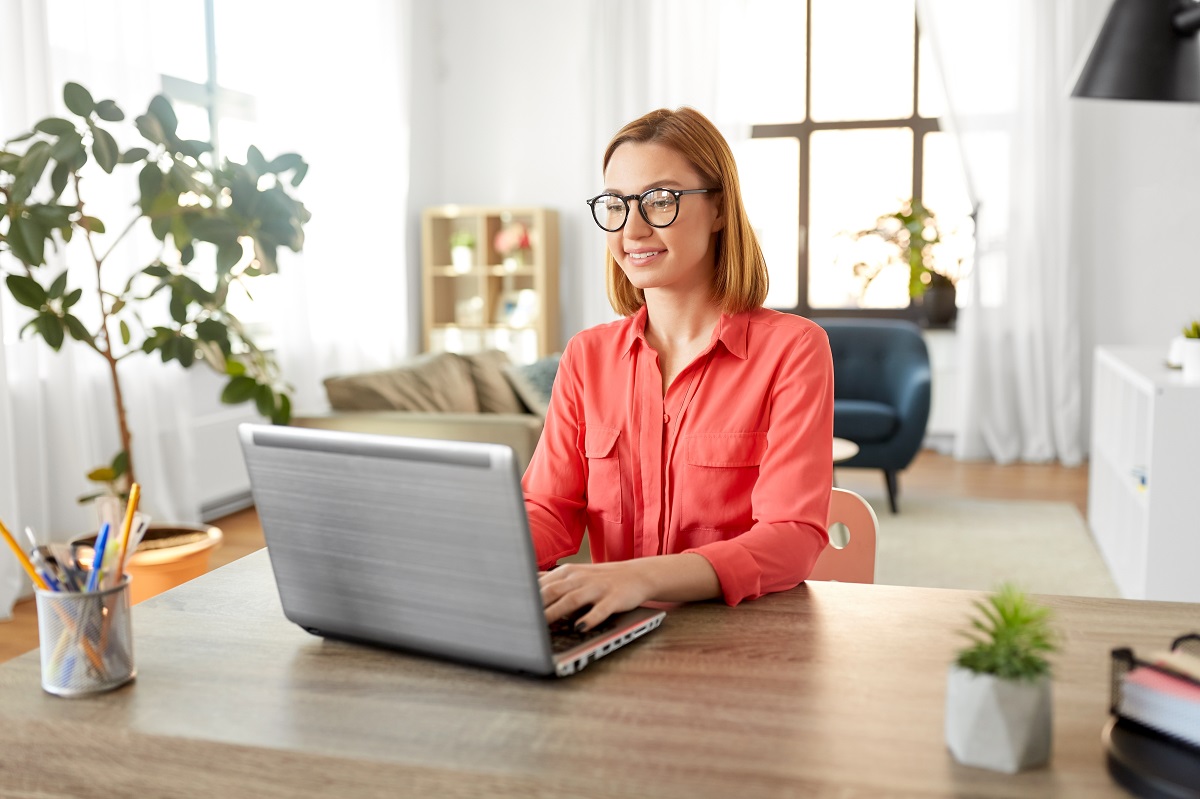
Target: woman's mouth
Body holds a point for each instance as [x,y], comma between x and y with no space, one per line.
[642,256]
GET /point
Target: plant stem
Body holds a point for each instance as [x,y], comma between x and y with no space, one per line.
[107,349]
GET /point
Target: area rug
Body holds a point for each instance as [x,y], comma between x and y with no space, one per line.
[1043,547]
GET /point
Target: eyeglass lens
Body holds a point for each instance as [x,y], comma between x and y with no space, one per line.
[659,208]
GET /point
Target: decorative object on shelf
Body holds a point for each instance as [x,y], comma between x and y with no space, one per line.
[914,236]
[462,250]
[511,244]
[1189,352]
[998,708]
[518,308]
[241,214]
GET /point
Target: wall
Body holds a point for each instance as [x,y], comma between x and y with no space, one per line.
[501,115]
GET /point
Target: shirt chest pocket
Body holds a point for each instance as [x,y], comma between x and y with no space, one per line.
[722,469]
[604,473]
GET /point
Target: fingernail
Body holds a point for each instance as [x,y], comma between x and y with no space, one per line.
[580,626]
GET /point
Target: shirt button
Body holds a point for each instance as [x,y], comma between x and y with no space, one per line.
[666,418]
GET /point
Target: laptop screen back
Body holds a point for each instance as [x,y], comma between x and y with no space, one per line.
[404,542]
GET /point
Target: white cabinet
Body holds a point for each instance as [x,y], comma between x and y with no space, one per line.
[1144,479]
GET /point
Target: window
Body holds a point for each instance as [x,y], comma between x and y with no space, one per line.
[846,129]
[206,92]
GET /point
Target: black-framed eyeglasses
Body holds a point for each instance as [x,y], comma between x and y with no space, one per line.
[659,207]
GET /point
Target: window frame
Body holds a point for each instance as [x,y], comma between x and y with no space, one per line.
[802,132]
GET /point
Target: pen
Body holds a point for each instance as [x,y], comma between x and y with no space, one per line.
[98,558]
[135,494]
[23,558]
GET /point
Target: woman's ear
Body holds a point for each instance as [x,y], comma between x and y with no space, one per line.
[719,222]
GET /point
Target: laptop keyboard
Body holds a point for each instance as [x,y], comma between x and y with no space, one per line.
[563,635]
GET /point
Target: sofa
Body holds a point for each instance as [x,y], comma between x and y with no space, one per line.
[460,397]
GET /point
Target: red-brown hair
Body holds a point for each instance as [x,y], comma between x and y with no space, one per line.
[740,277]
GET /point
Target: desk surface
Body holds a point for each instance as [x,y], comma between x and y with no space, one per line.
[829,689]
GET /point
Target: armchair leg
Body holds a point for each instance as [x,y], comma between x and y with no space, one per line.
[892,487]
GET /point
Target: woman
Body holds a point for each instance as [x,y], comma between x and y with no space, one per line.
[692,438]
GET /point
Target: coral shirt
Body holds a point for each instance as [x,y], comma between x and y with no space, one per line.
[734,463]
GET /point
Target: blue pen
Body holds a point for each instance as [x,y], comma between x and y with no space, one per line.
[98,558]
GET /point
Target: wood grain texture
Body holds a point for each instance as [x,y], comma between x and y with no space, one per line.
[827,690]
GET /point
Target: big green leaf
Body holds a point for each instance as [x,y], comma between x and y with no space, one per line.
[78,99]
[51,329]
[58,179]
[125,334]
[161,108]
[134,154]
[104,147]
[72,298]
[55,126]
[33,237]
[29,172]
[264,399]
[150,128]
[26,291]
[109,111]
[239,389]
[77,330]
[228,255]
[185,351]
[283,411]
[58,286]
[150,180]
[282,163]
[16,243]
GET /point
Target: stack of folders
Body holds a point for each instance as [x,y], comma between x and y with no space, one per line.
[1163,693]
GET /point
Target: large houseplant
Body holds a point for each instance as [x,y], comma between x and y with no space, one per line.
[913,233]
[213,225]
[998,708]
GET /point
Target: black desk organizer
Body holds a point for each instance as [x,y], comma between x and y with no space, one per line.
[1143,760]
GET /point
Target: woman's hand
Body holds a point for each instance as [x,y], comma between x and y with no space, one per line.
[624,585]
[607,587]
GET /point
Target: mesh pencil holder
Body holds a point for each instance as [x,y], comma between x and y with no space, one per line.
[86,640]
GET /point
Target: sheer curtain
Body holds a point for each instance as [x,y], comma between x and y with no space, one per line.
[336,93]
[1006,68]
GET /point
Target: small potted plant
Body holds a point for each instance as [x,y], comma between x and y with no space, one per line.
[462,250]
[1189,352]
[511,243]
[998,708]
[914,234]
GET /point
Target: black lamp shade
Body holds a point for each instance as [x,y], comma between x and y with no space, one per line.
[1147,50]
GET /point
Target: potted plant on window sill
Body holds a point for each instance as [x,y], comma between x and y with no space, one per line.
[1189,352]
[914,235]
[232,217]
[998,698]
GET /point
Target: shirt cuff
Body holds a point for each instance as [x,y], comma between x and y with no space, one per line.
[737,571]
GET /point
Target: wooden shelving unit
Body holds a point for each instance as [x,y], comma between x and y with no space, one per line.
[488,301]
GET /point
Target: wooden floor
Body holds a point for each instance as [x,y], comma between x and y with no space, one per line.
[931,475]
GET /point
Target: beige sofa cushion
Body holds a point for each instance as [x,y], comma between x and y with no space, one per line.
[439,381]
[495,393]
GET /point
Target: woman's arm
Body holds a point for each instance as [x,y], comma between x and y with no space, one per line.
[614,587]
[555,481]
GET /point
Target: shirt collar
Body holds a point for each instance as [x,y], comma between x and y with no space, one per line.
[730,331]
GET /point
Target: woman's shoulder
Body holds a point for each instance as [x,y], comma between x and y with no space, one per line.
[779,323]
[615,335]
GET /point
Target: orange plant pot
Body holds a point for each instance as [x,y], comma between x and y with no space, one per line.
[158,565]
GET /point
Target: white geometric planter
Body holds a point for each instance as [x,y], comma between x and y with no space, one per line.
[1003,725]
[1189,360]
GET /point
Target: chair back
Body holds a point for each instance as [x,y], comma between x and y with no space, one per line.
[855,562]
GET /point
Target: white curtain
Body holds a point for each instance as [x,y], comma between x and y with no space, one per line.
[1006,68]
[336,94]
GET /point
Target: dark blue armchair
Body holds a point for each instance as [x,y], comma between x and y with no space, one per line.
[881,389]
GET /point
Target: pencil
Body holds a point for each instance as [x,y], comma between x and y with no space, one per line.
[135,495]
[26,564]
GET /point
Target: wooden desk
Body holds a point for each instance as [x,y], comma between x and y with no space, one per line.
[828,690]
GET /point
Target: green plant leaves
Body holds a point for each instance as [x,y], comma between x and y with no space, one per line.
[239,389]
[109,111]
[26,291]
[104,147]
[78,99]
[1012,636]
[55,126]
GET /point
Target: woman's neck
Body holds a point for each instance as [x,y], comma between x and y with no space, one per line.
[678,332]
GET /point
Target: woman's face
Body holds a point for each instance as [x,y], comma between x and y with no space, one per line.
[680,257]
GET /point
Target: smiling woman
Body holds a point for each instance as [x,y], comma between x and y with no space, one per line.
[691,438]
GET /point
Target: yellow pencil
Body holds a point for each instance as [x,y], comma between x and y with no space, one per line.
[21,556]
[135,495]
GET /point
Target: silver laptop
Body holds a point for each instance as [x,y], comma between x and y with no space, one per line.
[416,544]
